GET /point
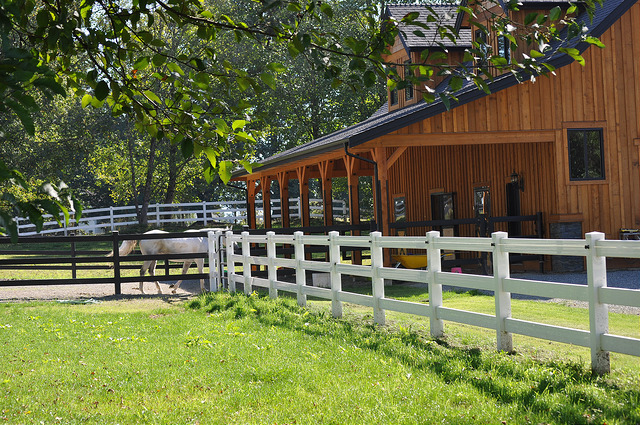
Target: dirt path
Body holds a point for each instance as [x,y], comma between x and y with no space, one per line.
[188,288]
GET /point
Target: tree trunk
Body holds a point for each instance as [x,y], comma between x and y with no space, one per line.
[172,181]
[146,192]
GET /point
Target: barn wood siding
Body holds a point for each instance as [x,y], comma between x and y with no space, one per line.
[604,93]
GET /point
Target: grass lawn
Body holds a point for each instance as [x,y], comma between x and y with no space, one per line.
[237,360]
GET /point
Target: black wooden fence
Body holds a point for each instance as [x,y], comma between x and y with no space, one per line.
[74,260]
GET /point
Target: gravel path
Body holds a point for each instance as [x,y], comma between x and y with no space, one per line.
[104,292]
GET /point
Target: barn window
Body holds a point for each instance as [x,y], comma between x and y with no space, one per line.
[504,48]
[483,48]
[586,154]
[393,97]
[408,91]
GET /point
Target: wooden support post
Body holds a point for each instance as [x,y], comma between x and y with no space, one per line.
[354,201]
[382,212]
[598,312]
[435,289]
[265,183]
[251,204]
[326,172]
[305,218]
[283,182]
[380,156]
[502,298]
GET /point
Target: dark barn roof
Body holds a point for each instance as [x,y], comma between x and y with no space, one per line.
[446,15]
[384,122]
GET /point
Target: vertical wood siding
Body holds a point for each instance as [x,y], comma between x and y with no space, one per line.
[604,93]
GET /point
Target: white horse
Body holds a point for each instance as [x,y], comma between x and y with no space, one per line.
[168,246]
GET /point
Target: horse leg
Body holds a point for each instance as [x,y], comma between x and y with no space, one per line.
[143,270]
[200,264]
[185,268]
[152,272]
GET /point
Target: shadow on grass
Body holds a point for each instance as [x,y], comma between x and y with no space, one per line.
[559,392]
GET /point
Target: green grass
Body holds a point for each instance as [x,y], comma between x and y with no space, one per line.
[237,359]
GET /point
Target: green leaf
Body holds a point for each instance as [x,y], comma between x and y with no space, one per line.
[212,156]
[141,63]
[248,165]
[243,83]
[536,54]
[528,20]
[224,171]
[595,41]
[102,90]
[456,83]
[152,96]
[51,84]
[446,100]
[574,53]
[276,67]
[239,124]
[173,67]
[186,146]
[554,14]
[86,100]
[159,60]
[23,114]
[369,78]
[327,10]
[268,80]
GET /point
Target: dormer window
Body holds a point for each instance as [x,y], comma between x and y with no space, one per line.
[504,48]
[393,97]
[408,91]
[481,40]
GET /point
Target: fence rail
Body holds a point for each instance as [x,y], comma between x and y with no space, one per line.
[99,220]
[596,293]
[267,250]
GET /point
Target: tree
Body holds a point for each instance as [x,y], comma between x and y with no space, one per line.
[106,53]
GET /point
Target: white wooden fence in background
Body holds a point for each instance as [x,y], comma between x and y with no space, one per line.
[596,293]
[99,220]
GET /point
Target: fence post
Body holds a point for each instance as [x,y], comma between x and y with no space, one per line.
[301,274]
[246,266]
[231,265]
[111,219]
[116,262]
[598,312]
[74,264]
[272,274]
[377,282]
[502,298]
[434,266]
[336,278]
[204,213]
[212,243]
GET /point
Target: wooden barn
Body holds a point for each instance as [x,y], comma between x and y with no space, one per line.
[554,157]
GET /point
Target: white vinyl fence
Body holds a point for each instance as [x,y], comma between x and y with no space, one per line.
[596,293]
[99,220]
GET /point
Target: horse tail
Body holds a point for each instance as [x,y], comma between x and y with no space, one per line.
[125,248]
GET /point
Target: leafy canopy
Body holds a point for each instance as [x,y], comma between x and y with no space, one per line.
[118,54]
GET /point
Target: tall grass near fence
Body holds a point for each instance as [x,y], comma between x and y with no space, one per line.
[251,360]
